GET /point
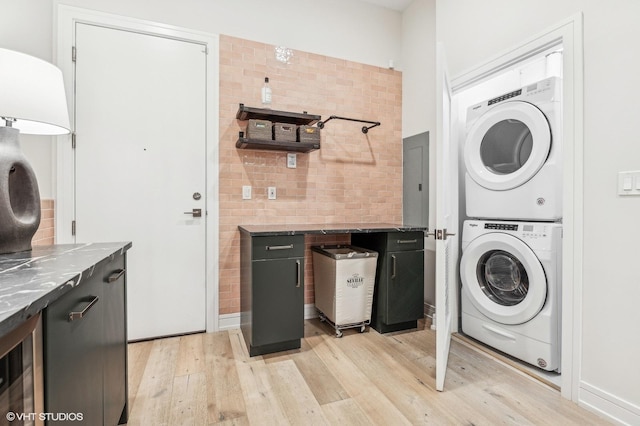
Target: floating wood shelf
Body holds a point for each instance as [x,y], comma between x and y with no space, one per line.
[248,113]
[244,143]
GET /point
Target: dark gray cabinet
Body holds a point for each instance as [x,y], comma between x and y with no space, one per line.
[398,301]
[73,357]
[85,348]
[115,342]
[272,292]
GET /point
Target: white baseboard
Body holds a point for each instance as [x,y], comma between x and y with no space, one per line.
[608,405]
[228,321]
[232,321]
[310,311]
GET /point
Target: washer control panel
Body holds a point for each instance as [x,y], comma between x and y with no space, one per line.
[534,231]
[501,226]
[525,230]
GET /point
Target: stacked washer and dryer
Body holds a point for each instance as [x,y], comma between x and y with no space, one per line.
[512,244]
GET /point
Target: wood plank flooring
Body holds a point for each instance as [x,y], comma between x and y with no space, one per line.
[360,379]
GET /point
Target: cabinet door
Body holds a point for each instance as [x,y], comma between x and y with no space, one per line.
[115,341]
[73,353]
[405,291]
[278,300]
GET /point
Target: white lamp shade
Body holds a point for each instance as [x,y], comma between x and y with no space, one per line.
[32,93]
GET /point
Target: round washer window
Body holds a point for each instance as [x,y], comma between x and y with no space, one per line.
[506,146]
[502,278]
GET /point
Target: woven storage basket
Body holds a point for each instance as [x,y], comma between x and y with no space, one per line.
[308,134]
[259,129]
[284,132]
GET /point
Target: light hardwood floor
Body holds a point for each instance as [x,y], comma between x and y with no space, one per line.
[360,379]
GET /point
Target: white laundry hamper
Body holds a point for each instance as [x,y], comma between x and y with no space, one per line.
[344,278]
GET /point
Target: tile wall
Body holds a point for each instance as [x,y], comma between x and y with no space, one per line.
[353,178]
[44,236]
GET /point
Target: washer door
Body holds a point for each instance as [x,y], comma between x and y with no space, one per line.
[503,278]
[507,145]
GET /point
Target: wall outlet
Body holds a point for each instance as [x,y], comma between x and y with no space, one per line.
[291,160]
[246,192]
[271,193]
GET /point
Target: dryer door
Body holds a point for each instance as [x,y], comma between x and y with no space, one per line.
[503,278]
[507,145]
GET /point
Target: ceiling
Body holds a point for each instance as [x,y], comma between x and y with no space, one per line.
[398,5]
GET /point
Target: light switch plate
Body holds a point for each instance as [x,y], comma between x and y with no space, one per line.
[291,160]
[246,192]
[271,193]
[629,183]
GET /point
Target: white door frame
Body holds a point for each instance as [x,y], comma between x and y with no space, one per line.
[65,176]
[568,33]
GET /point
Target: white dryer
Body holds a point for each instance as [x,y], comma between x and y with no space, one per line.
[511,274]
[513,155]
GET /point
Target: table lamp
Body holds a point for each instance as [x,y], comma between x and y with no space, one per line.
[32,101]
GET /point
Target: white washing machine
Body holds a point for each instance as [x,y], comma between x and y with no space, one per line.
[511,275]
[513,154]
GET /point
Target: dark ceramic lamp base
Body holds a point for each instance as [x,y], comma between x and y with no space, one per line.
[19,195]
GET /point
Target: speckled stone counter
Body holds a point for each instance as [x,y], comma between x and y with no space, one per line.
[31,280]
[333,228]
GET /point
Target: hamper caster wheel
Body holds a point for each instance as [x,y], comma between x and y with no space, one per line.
[338,333]
[363,328]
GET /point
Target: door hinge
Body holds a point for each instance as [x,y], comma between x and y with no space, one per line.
[73,140]
[419,187]
[206,50]
[73,53]
[73,227]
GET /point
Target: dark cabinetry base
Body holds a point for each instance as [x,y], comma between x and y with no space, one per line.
[398,301]
[381,327]
[274,347]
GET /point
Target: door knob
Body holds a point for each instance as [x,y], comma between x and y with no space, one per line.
[195,212]
[440,234]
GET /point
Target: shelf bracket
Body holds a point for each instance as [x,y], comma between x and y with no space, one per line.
[365,129]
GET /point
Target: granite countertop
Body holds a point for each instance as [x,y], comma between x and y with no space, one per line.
[331,228]
[31,280]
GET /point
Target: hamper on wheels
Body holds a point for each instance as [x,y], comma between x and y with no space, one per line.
[344,277]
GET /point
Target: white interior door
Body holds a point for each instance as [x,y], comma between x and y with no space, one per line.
[140,165]
[446,220]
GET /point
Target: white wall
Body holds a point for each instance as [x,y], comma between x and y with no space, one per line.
[419,103]
[26,26]
[418,72]
[474,32]
[418,81]
[351,30]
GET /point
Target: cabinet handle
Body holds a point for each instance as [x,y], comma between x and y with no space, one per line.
[290,246]
[298,268]
[81,314]
[393,267]
[115,275]
[407,241]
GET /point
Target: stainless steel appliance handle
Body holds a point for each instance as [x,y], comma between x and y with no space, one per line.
[269,248]
[393,266]
[298,269]
[79,315]
[115,276]
[407,241]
